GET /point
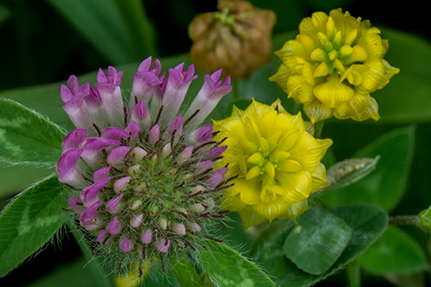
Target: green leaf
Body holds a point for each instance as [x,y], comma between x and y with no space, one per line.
[184,271]
[348,171]
[101,25]
[317,240]
[28,137]
[385,186]
[413,80]
[138,27]
[367,223]
[228,268]
[14,179]
[30,221]
[395,252]
[70,274]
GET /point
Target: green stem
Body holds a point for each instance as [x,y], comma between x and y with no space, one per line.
[354,274]
[93,263]
[404,220]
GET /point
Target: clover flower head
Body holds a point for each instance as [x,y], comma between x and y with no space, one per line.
[143,181]
[333,65]
[236,38]
[275,162]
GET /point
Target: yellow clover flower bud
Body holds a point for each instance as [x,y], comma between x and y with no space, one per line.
[274,161]
[333,65]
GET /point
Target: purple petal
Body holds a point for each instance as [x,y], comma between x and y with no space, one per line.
[121,184]
[208,97]
[176,125]
[111,133]
[154,133]
[215,152]
[67,170]
[88,217]
[135,221]
[92,146]
[204,165]
[101,236]
[146,236]
[78,111]
[216,178]
[112,102]
[126,244]
[76,204]
[186,153]
[93,99]
[112,77]
[137,154]
[90,194]
[133,130]
[144,84]
[163,245]
[116,156]
[114,205]
[202,135]
[101,174]
[114,227]
[73,139]
[65,93]
[141,115]
[176,88]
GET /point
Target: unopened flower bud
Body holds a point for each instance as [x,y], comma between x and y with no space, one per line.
[114,227]
[236,38]
[179,228]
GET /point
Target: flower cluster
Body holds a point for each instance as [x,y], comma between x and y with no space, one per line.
[142,178]
[236,38]
[333,65]
[277,162]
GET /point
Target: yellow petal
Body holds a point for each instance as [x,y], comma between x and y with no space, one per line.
[295,210]
[300,89]
[232,203]
[308,151]
[296,184]
[281,78]
[270,169]
[256,158]
[253,172]
[307,42]
[290,165]
[311,25]
[350,37]
[317,111]
[358,54]
[330,28]
[332,93]
[319,178]
[251,218]
[322,70]
[319,55]
[250,190]
[271,210]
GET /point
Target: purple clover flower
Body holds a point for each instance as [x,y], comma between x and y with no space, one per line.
[142,178]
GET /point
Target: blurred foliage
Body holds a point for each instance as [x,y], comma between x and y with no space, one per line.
[45,41]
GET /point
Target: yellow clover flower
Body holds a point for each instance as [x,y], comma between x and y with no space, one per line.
[275,159]
[333,65]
